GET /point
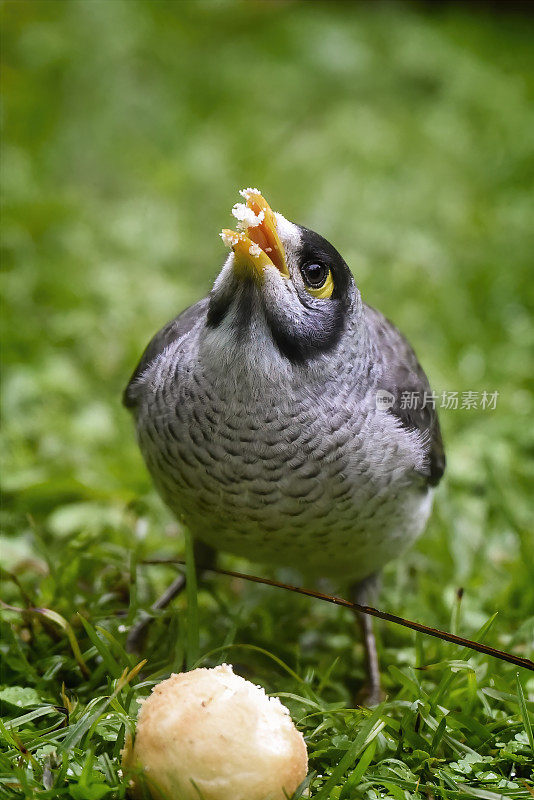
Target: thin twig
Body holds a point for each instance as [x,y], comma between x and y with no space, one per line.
[519,661]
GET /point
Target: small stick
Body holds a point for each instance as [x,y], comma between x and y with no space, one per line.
[519,661]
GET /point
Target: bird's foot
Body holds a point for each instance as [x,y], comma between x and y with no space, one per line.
[369,696]
[136,638]
[135,641]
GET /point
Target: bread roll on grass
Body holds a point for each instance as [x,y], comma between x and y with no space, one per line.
[213,730]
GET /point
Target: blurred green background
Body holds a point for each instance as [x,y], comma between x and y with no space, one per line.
[402,133]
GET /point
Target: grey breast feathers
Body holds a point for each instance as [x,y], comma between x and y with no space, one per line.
[404,377]
[401,374]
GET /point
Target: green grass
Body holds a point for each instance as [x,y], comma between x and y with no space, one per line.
[405,138]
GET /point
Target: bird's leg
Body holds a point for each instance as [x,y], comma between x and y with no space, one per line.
[371,694]
[205,555]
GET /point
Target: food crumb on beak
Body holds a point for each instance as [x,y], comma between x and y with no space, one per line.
[230,238]
[246,218]
[246,193]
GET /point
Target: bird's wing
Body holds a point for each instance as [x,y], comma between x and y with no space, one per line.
[404,377]
[175,329]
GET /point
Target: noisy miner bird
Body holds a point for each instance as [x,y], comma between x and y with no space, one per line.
[272,414]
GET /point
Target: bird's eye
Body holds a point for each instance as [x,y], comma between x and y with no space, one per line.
[314,275]
[317,280]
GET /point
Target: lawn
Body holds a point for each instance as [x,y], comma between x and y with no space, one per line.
[404,134]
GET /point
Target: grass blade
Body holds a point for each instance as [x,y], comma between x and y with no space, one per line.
[365,735]
[192,645]
[524,713]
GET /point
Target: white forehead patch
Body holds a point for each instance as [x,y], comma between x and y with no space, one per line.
[290,235]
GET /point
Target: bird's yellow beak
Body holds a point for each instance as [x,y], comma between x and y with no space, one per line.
[255,243]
